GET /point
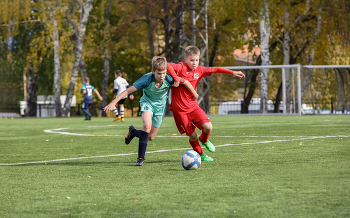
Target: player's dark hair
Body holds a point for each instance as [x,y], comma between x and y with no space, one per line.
[192,50]
[86,80]
[118,72]
[159,63]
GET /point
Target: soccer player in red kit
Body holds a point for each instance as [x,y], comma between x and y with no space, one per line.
[187,114]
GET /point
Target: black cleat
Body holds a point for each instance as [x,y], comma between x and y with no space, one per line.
[89,116]
[129,137]
[139,161]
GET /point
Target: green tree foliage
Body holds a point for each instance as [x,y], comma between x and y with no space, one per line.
[133,31]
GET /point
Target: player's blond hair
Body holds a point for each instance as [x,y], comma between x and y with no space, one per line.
[87,80]
[159,63]
[192,50]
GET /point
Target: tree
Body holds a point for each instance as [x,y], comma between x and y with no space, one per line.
[79,33]
[265,55]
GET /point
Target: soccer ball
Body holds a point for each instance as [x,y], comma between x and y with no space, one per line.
[191,160]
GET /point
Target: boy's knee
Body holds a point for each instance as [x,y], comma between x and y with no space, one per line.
[207,127]
[150,137]
[146,127]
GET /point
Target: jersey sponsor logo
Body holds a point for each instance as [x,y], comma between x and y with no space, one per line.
[196,75]
[165,88]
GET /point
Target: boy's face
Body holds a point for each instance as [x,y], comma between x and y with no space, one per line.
[192,61]
[159,75]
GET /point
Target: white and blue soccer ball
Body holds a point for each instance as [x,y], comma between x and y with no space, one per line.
[191,160]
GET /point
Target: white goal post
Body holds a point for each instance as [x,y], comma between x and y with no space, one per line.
[283,67]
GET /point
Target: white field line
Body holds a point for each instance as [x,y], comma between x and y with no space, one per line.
[159,151]
[161,136]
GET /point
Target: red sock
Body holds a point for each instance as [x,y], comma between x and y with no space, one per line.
[195,145]
[204,137]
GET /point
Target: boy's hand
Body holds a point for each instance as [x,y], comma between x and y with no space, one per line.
[195,96]
[131,97]
[238,74]
[109,107]
[100,97]
[176,84]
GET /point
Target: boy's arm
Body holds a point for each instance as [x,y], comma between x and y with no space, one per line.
[172,73]
[131,96]
[224,70]
[118,98]
[98,94]
[191,89]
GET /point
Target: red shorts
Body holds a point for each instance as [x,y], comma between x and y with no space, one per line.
[187,122]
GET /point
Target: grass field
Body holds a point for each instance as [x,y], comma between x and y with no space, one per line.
[264,166]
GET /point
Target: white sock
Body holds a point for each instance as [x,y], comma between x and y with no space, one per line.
[122,112]
[115,111]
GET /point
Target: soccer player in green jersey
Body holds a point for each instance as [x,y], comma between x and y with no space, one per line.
[155,86]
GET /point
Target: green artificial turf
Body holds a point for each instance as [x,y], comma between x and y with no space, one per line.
[264,166]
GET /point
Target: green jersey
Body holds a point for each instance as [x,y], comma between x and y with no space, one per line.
[156,97]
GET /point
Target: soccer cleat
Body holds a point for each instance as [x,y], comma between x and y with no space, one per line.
[89,116]
[122,119]
[117,118]
[139,161]
[208,145]
[129,137]
[205,157]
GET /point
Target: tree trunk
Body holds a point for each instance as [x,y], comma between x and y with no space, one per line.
[178,28]
[82,67]
[105,80]
[150,32]
[307,78]
[265,55]
[252,87]
[57,69]
[78,50]
[106,63]
[166,30]
[33,85]
[278,99]
[286,56]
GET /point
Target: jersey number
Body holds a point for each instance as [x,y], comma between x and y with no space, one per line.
[89,92]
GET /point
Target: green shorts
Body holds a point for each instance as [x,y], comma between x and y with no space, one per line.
[157,115]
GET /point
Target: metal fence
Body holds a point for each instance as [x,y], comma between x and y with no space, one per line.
[226,107]
[49,110]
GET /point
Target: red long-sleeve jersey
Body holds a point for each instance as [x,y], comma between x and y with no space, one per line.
[182,101]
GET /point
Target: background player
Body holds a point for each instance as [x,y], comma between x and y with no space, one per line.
[87,92]
[187,114]
[120,85]
[155,88]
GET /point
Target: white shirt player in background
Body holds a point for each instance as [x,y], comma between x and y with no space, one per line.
[120,85]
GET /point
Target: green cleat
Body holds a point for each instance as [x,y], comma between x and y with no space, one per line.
[205,157]
[208,145]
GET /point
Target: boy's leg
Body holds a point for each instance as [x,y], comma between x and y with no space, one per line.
[143,139]
[184,125]
[207,128]
[115,111]
[152,133]
[195,145]
[84,108]
[136,133]
[202,122]
[121,107]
